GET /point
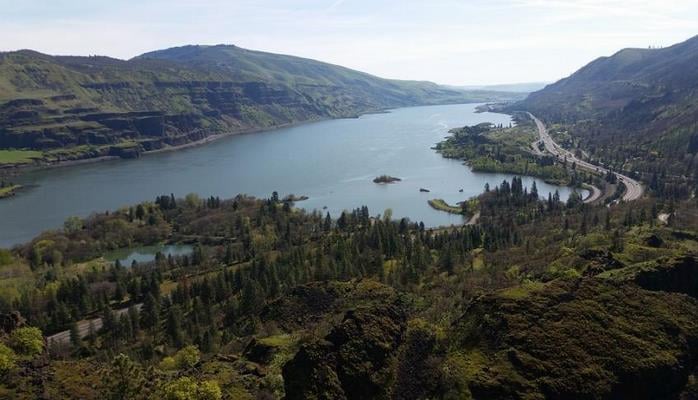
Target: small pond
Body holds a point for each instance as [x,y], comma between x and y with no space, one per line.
[146,254]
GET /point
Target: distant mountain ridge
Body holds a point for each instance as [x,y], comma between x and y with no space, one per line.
[71,107]
[524,87]
[242,65]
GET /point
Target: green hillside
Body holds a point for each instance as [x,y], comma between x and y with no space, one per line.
[631,80]
[635,111]
[542,299]
[83,107]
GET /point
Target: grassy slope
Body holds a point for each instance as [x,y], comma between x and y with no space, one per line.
[247,65]
[622,82]
[18,156]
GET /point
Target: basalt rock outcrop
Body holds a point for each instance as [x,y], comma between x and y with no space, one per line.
[11,321]
[354,361]
[678,275]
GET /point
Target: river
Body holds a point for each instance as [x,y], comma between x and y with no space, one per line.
[333,162]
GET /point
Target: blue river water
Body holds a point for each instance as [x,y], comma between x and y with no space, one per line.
[332,162]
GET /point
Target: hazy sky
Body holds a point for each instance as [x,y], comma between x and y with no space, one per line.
[446,41]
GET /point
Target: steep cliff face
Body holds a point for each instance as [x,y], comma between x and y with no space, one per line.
[205,108]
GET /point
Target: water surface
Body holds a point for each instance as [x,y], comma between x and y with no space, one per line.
[144,254]
[332,162]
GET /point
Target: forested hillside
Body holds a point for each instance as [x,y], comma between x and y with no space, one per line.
[635,111]
[65,108]
[541,299]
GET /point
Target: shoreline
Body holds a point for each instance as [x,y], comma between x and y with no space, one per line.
[25,168]
[594,193]
[16,169]
[10,191]
[442,205]
[216,137]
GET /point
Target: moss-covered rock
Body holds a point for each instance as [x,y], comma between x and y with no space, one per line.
[599,261]
[418,374]
[260,351]
[588,338]
[310,304]
[669,274]
[311,374]
[674,275]
[354,361]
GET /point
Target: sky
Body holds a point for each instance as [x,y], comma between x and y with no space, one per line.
[458,42]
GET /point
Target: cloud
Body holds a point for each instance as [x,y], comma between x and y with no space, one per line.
[449,41]
[334,5]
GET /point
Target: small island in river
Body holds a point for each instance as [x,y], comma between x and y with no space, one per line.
[8,190]
[386,179]
[468,207]
[292,198]
[442,205]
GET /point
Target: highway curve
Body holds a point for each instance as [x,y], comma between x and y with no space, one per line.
[633,188]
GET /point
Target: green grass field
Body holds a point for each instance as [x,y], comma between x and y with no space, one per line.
[18,156]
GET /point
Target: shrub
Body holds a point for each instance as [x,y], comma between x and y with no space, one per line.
[187,357]
[28,341]
[5,257]
[125,379]
[209,390]
[187,388]
[168,364]
[72,224]
[7,359]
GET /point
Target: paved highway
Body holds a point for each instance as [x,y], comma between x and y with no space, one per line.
[594,193]
[633,188]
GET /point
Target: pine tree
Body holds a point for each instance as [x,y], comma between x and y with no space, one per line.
[173,326]
[135,320]
[251,299]
[150,314]
[125,327]
[91,333]
[75,338]
[607,223]
[207,345]
[140,212]
[126,379]
[108,319]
